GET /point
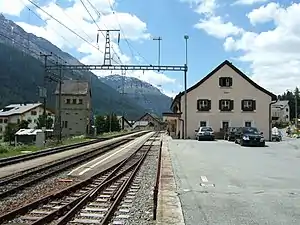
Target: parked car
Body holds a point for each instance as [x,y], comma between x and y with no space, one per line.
[205,133]
[277,136]
[249,136]
[229,134]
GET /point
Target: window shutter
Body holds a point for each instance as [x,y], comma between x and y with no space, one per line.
[231,105]
[209,104]
[242,105]
[220,81]
[230,81]
[198,108]
[253,105]
[220,104]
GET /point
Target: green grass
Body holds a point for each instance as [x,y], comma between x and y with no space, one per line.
[8,151]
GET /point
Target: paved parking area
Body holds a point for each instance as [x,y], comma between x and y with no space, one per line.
[223,183]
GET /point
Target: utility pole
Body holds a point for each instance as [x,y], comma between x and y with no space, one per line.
[159,39]
[296,108]
[43,91]
[123,72]
[107,55]
[186,37]
[59,104]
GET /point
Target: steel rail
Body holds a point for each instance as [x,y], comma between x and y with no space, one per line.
[20,158]
[62,165]
[74,206]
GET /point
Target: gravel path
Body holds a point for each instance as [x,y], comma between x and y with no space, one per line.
[30,194]
[142,207]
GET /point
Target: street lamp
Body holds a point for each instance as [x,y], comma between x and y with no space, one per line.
[186,37]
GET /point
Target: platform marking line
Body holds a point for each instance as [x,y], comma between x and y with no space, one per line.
[86,164]
[204,179]
[97,163]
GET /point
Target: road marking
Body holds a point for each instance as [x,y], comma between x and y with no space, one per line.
[204,178]
[97,163]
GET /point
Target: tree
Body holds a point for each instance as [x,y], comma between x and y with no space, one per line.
[115,125]
[9,133]
[23,124]
[41,122]
[291,97]
[100,124]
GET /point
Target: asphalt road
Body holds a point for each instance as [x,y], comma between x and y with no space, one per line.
[240,185]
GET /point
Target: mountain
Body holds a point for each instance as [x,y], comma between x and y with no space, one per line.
[22,71]
[143,93]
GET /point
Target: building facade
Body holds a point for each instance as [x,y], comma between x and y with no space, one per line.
[15,113]
[225,97]
[152,121]
[123,121]
[76,109]
[281,112]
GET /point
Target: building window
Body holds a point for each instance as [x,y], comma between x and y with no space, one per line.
[248,105]
[18,121]
[248,124]
[286,109]
[74,101]
[225,81]
[5,120]
[68,101]
[226,105]
[1,129]
[80,101]
[203,105]
[65,124]
[1,120]
[33,113]
[202,123]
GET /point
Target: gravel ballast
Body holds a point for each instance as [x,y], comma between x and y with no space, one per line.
[141,211]
[30,194]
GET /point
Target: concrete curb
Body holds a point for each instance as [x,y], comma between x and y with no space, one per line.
[169,207]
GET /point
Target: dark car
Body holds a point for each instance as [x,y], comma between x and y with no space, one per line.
[229,134]
[249,136]
[205,133]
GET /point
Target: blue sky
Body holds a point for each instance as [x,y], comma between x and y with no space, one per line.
[250,33]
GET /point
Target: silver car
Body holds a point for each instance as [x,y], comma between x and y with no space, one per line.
[205,133]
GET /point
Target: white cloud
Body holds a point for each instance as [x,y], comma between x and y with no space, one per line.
[216,27]
[264,13]
[13,9]
[77,19]
[206,7]
[249,2]
[273,54]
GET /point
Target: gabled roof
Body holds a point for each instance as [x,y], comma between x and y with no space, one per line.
[17,109]
[226,62]
[281,103]
[125,120]
[152,115]
[73,87]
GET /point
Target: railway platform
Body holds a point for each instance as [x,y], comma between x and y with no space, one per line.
[169,207]
[29,164]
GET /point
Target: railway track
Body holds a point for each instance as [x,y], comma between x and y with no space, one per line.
[15,183]
[96,200]
[33,155]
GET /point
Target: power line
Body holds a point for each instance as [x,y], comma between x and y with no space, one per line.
[99,14]
[131,48]
[91,39]
[82,38]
